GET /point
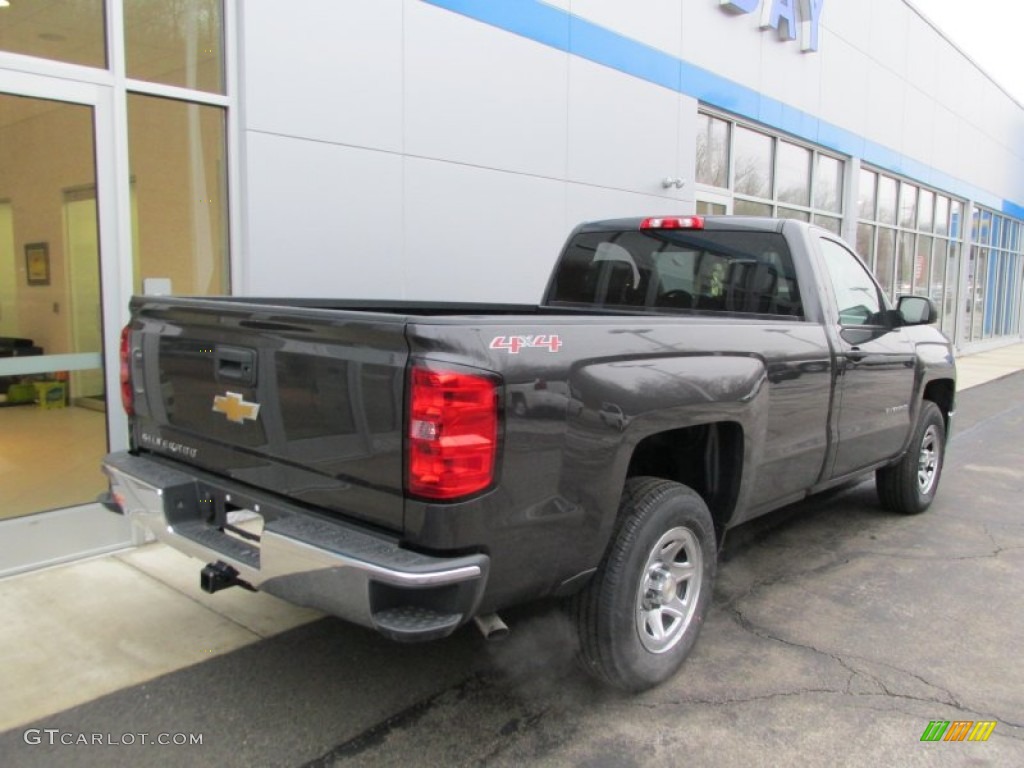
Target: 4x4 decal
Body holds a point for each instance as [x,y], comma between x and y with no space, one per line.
[512,344]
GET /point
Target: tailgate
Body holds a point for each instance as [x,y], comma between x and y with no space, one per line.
[307,403]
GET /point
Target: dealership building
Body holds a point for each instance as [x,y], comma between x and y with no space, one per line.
[443,150]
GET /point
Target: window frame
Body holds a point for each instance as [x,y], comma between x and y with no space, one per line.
[822,217]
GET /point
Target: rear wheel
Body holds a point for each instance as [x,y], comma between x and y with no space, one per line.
[639,617]
[909,486]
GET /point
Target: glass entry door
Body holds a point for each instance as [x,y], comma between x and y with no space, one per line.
[53,426]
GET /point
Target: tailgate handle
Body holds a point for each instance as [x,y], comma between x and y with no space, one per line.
[236,364]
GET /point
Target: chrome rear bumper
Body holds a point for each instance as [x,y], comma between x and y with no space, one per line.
[303,557]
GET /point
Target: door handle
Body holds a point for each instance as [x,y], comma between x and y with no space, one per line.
[236,365]
[854,355]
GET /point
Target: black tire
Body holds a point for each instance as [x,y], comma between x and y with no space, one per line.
[909,486]
[659,570]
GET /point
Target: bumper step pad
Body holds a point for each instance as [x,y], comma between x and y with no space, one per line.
[411,623]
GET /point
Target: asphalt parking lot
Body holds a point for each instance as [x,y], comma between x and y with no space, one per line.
[838,633]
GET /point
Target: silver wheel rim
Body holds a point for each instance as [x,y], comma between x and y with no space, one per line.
[669,590]
[928,460]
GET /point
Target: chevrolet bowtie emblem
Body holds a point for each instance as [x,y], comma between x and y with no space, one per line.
[235,407]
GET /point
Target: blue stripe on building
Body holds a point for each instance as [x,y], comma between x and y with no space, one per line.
[559,29]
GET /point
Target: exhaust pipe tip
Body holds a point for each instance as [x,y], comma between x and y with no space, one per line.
[491,626]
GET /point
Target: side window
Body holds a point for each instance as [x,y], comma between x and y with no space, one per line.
[856,294]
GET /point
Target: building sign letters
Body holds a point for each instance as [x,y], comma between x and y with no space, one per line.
[783,16]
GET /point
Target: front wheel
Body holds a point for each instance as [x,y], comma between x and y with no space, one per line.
[909,486]
[640,615]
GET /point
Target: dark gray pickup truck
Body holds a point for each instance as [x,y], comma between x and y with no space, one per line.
[412,466]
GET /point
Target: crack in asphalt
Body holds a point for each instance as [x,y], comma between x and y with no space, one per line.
[951,699]
[377,734]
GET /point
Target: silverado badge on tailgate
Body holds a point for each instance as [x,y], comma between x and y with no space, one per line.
[235,407]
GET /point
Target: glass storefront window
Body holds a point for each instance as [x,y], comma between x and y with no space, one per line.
[941,215]
[866,243]
[750,208]
[983,228]
[712,151]
[908,205]
[922,266]
[830,223]
[926,211]
[995,304]
[978,298]
[753,164]
[792,213]
[866,194]
[176,42]
[997,231]
[828,183]
[178,164]
[72,32]
[887,200]
[956,213]
[885,263]
[949,306]
[770,176]
[794,174]
[905,264]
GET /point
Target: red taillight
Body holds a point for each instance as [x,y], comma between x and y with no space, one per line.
[673,222]
[453,433]
[127,396]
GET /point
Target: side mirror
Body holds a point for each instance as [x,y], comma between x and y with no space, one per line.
[917,310]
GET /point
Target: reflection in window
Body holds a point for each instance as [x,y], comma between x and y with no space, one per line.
[980,276]
[983,228]
[830,223]
[794,174]
[753,170]
[866,194]
[828,183]
[866,243]
[996,278]
[885,263]
[941,215]
[712,151]
[750,208]
[770,175]
[176,42]
[925,211]
[922,266]
[908,205]
[177,152]
[887,200]
[73,32]
[707,208]
[667,271]
[949,306]
[905,264]
[792,213]
[856,295]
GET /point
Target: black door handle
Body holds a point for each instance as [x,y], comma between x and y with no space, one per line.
[236,365]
